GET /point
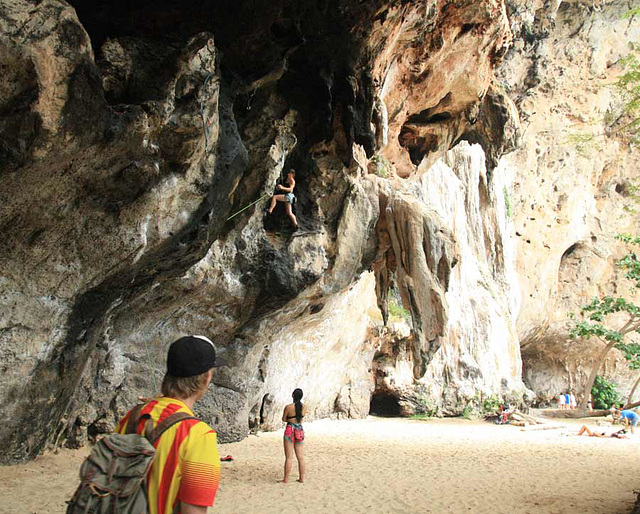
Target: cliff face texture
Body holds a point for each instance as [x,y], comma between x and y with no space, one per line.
[134,141]
[570,198]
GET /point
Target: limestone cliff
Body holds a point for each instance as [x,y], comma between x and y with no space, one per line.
[569,199]
[135,140]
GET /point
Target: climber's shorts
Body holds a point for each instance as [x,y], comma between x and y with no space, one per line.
[290,198]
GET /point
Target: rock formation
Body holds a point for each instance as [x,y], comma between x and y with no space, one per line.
[568,197]
[135,140]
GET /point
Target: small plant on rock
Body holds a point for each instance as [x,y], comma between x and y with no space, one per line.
[507,201]
[396,310]
[492,404]
[382,165]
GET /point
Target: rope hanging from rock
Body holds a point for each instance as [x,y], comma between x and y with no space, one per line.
[282,155]
[244,208]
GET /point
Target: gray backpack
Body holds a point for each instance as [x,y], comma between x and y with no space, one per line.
[113,478]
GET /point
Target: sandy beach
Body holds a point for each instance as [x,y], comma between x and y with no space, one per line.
[395,466]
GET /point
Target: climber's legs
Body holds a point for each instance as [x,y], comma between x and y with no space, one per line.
[292,216]
[274,199]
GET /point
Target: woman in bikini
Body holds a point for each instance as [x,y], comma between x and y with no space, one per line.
[294,435]
[287,197]
[620,434]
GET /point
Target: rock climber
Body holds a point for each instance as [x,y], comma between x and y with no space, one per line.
[287,197]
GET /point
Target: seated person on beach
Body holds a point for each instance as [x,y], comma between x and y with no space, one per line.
[586,430]
[630,417]
[288,197]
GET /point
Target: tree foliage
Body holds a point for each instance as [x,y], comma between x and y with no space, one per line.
[628,85]
[596,315]
[604,393]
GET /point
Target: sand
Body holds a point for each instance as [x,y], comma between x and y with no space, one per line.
[395,466]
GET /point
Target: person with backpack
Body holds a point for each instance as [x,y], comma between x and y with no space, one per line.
[162,459]
[288,197]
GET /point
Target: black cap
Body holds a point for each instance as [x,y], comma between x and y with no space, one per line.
[190,356]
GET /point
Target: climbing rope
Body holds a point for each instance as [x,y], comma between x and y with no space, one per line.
[252,203]
[282,157]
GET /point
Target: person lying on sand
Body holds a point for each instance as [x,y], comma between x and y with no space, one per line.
[621,434]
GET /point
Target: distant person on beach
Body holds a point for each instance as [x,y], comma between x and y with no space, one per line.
[185,473]
[630,417]
[572,401]
[621,434]
[562,402]
[287,197]
[294,436]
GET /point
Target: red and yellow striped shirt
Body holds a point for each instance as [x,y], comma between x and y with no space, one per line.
[187,466]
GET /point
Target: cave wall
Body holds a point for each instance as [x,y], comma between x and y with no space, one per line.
[568,198]
[133,136]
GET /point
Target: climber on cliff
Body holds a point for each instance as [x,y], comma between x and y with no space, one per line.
[287,197]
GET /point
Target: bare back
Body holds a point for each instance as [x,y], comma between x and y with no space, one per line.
[289,413]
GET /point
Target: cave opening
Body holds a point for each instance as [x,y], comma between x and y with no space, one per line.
[569,251]
[265,401]
[384,404]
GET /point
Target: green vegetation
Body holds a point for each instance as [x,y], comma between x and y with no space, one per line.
[469,412]
[425,404]
[507,201]
[584,143]
[629,87]
[626,119]
[383,166]
[491,404]
[604,393]
[396,311]
[422,416]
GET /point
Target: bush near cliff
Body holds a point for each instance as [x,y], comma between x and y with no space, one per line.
[604,393]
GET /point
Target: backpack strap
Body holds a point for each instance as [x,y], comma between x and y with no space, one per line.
[134,420]
[164,425]
[152,434]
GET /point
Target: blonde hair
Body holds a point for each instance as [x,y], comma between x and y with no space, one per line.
[183,387]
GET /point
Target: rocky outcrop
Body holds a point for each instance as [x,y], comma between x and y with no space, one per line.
[479,354]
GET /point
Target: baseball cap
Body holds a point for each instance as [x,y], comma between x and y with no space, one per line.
[192,355]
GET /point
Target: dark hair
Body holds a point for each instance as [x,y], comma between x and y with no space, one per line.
[297,396]
[292,172]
